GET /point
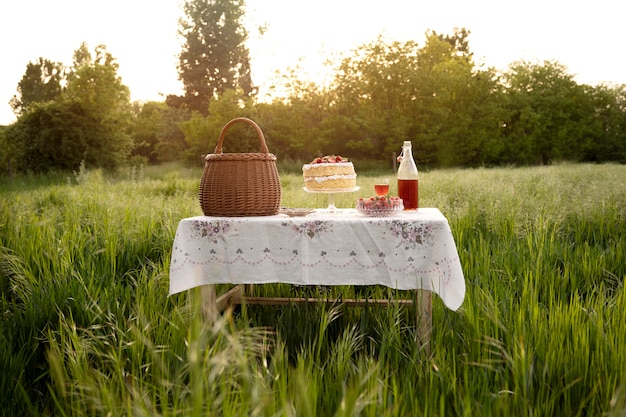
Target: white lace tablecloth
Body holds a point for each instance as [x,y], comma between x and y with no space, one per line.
[412,250]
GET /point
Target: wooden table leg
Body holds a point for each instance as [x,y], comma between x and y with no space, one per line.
[212,306]
[248,290]
[209,303]
[424,311]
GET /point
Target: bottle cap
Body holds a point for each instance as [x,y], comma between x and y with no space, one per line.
[407,143]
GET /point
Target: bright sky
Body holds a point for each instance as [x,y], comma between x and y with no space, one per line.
[586,37]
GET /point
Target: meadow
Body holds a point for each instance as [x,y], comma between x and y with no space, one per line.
[87,327]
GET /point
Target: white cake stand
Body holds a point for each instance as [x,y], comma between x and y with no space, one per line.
[331,196]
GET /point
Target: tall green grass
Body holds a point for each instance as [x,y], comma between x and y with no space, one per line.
[87,327]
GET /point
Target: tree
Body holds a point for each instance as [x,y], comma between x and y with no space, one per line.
[609,141]
[54,135]
[460,105]
[549,116]
[300,122]
[8,149]
[171,140]
[214,57]
[157,133]
[375,94]
[88,122]
[93,82]
[42,82]
[202,132]
[94,85]
[432,95]
[145,132]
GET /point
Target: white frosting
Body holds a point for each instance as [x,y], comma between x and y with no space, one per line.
[332,177]
[326,164]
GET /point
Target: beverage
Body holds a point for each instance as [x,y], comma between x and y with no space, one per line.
[407,178]
[381,189]
[408,192]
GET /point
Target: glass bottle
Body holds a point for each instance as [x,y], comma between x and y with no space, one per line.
[408,178]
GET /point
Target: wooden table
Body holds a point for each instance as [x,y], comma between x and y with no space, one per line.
[414,250]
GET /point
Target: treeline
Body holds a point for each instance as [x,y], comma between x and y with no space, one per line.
[455,112]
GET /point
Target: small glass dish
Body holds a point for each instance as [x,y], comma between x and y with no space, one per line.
[379,206]
[295,212]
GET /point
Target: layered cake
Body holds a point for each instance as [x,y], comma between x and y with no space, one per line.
[330,173]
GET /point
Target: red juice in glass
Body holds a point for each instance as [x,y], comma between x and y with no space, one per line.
[408,192]
[381,189]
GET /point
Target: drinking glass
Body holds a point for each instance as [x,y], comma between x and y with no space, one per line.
[381,187]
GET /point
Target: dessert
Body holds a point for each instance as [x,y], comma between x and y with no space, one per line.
[329,173]
[379,206]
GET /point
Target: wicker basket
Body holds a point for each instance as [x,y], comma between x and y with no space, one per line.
[240,184]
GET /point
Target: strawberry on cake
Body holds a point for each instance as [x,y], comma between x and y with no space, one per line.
[329,173]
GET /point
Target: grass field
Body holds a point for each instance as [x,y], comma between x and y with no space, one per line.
[87,327]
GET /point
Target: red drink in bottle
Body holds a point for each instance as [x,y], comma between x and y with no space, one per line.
[407,178]
[409,193]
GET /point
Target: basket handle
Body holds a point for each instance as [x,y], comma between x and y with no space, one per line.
[220,141]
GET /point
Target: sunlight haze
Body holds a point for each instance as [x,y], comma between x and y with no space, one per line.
[142,36]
